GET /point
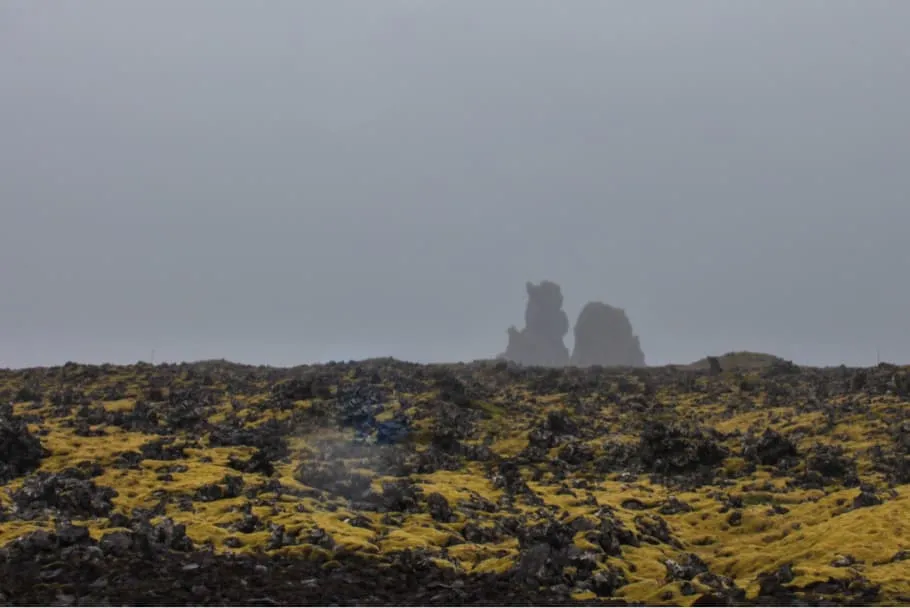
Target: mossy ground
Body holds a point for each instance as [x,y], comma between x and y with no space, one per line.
[810,530]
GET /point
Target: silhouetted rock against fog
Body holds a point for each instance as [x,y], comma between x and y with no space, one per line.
[604,336]
[546,324]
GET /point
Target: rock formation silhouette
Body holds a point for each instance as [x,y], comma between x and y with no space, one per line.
[546,324]
[604,336]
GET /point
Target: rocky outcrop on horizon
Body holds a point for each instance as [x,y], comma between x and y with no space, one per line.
[604,336]
[546,324]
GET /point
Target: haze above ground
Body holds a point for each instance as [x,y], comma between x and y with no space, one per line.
[291,182]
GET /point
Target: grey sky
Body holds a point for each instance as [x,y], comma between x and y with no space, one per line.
[290,181]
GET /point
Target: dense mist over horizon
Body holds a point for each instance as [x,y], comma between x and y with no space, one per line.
[293,182]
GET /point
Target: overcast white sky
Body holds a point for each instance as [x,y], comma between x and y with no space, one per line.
[293,181]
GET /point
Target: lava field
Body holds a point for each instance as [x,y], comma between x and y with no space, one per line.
[389,483]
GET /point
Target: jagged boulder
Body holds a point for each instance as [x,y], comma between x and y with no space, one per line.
[21,452]
[69,493]
[604,336]
[546,324]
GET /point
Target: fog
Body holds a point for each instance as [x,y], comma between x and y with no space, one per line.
[288,182]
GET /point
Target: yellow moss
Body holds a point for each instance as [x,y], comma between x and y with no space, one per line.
[742,421]
[389,412]
[217,418]
[550,496]
[67,449]
[582,543]
[867,534]
[445,564]
[455,485]
[121,405]
[509,447]
[492,409]
[648,561]
[734,465]
[494,565]
[415,533]
[474,552]
[614,493]
[12,530]
[641,590]
[345,535]
[311,552]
